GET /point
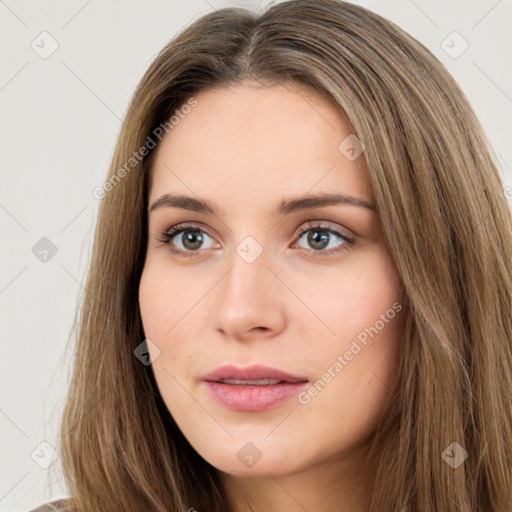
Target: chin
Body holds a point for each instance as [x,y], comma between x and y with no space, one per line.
[262,469]
[245,458]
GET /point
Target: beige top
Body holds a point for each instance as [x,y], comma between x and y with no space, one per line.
[59,506]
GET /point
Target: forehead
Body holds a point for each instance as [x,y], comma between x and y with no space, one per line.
[252,142]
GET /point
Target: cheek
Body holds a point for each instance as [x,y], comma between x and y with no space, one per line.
[350,298]
[165,298]
[160,305]
[359,358]
[172,324]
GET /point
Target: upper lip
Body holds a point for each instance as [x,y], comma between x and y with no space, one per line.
[254,372]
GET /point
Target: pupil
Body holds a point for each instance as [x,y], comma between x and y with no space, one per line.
[319,237]
[194,238]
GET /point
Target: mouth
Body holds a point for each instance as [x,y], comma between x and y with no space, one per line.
[253,388]
[257,382]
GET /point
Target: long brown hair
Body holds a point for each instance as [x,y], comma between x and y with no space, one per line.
[447,226]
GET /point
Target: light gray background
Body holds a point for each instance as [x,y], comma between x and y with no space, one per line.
[60,117]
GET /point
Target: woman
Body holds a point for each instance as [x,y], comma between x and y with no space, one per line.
[300,293]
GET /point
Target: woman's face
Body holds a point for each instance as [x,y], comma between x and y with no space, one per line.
[275,277]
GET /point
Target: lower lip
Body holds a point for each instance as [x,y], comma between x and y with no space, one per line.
[253,398]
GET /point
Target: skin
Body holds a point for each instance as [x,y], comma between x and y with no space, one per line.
[296,307]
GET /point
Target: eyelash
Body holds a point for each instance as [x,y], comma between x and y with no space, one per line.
[167,236]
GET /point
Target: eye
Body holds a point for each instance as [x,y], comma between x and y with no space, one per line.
[191,242]
[320,237]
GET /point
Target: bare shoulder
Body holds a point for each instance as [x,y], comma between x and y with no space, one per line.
[58,505]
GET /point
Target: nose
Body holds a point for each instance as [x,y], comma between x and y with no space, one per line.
[250,300]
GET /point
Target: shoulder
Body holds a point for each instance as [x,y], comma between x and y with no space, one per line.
[59,505]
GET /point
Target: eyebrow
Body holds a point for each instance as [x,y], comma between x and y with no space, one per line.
[285,207]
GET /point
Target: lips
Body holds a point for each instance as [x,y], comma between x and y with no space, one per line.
[252,389]
[257,375]
[252,382]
